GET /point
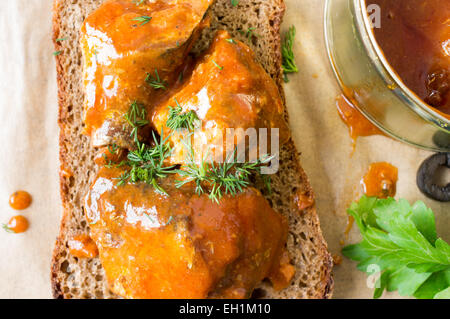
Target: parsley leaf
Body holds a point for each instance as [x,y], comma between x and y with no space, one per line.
[444,294]
[401,240]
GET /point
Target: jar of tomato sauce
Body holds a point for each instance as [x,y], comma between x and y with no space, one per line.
[392,59]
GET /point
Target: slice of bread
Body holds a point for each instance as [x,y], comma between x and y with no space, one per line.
[84,278]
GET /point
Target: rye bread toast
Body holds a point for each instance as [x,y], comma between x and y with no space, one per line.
[72,277]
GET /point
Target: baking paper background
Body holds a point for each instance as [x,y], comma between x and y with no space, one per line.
[29,146]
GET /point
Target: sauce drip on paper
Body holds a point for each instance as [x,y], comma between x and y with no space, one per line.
[380,180]
[20,200]
[357,124]
[17,224]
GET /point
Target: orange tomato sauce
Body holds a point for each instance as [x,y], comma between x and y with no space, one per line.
[415,38]
[82,246]
[121,54]
[17,224]
[20,200]
[380,180]
[180,244]
[228,88]
[357,124]
[185,245]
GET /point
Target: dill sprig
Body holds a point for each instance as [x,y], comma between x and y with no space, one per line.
[229,177]
[147,164]
[7,229]
[142,19]
[136,117]
[154,220]
[155,81]
[178,120]
[111,164]
[138,2]
[218,66]
[249,33]
[234,3]
[113,148]
[289,65]
[144,163]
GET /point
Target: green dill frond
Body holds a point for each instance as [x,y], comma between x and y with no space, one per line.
[7,229]
[147,164]
[142,19]
[110,164]
[218,66]
[229,177]
[136,117]
[144,163]
[267,182]
[123,179]
[113,148]
[178,120]
[289,65]
[169,221]
[155,81]
[249,33]
[234,3]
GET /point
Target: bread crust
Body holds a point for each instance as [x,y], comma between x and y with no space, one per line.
[320,281]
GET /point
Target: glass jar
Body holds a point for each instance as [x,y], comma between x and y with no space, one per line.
[366,78]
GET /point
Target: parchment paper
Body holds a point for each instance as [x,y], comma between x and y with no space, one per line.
[29,140]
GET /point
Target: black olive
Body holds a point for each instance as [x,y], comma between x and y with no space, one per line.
[258,293]
[442,139]
[426,177]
